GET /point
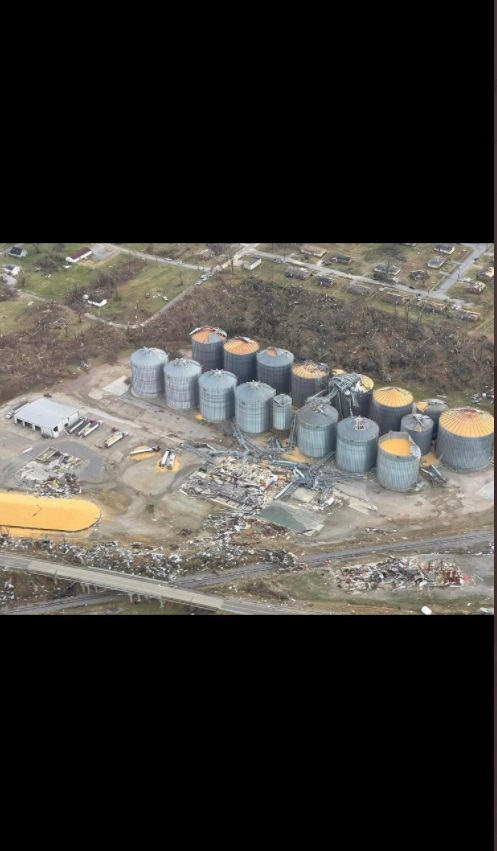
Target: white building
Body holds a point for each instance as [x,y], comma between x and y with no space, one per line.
[251,263]
[46,416]
[81,254]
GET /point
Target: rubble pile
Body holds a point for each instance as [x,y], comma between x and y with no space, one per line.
[244,486]
[52,474]
[7,593]
[400,573]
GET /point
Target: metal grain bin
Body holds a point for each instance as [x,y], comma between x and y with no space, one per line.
[217,395]
[253,407]
[282,412]
[362,391]
[240,358]
[308,379]
[388,406]
[432,408]
[274,367]
[317,429]
[147,372]
[207,347]
[420,430]
[181,383]
[465,438]
[398,461]
[357,444]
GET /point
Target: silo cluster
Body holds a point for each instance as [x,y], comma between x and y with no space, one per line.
[355,401]
[217,395]
[465,438]
[357,444]
[253,407]
[432,408]
[282,412]
[181,383]
[207,347]
[240,358]
[274,367]
[388,406]
[420,429]
[398,461]
[147,372]
[308,379]
[317,429]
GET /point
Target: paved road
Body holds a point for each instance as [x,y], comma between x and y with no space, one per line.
[438,294]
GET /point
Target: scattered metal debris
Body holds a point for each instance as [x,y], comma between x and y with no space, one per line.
[400,573]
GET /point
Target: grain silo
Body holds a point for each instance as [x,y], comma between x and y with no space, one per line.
[398,461]
[432,408]
[181,383]
[217,395]
[147,372]
[388,406]
[465,438]
[357,444]
[253,407]
[308,379]
[420,429]
[282,412]
[274,367]
[207,347]
[240,358]
[317,429]
[354,396]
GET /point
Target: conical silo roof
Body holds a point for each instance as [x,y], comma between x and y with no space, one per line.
[182,367]
[254,391]
[359,429]
[317,415]
[393,397]
[208,334]
[148,357]
[272,356]
[241,346]
[467,422]
[309,369]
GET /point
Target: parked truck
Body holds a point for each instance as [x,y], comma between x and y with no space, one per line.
[115,438]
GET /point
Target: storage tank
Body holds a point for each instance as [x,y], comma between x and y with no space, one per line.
[398,461]
[362,390]
[388,406]
[465,438]
[147,372]
[240,358]
[420,430]
[253,407]
[274,367]
[357,444]
[217,395]
[207,347]
[307,379]
[282,412]
[317,429]
[432,408]
[181,383]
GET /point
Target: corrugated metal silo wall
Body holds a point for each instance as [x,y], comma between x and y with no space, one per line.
[279,377]
[363,406]
[434,413]
[209,355]
[397,473]
[356,456]
[388,419]
[314,441]
[181,391]
[243,366]
[303,388]
[148,380]
[282,415]
[423,439]
[217,403]
[256,417]
[464,453]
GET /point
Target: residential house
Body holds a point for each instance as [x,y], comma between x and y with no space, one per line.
[359,289]
[313,250]
[251,262]
[17,252]
[433,306]
[419,275]
[11,269]
[81,254]
[393,297]
[444,248]
[476,287]
[387,269]
[342,258]
[436,262]
[487,275]
[300,274]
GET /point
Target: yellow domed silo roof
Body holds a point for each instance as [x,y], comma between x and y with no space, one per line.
[208,334]
[338,372]
[366,382]
[241,346]
[393,397]
[310,370]
[467,422]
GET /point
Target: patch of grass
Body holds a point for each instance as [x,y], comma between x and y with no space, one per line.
[12,314]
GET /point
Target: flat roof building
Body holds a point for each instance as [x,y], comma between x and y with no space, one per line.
[46,416]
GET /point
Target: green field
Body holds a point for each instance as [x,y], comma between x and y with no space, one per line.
[12,313]
[59,282]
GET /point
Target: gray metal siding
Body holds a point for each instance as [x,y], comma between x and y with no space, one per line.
[434,412]
[217,396]
[388,419]
[275,370]
[181,384]
[243,366]
[282,413]
[354,453]
[303,388]
[148,379]
[423,438]
[315,441]
[464,453]
[208,355]
[398,473]
[254,408]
